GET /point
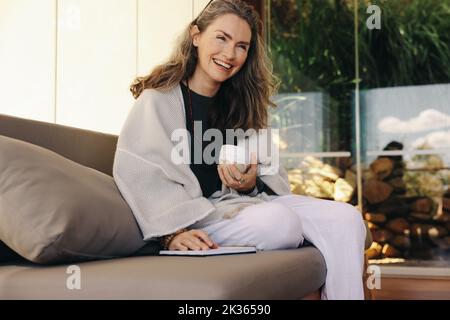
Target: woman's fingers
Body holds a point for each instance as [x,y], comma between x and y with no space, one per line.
[179,246]
[182,242]
[246,181]
[253,170]
[235,172]
[190,244]
[205,238]
[252,173]
[228,177]
[176,244]
[222,178]
[199,243]
[225,176]
[233,176]
[215,246]
[194,240]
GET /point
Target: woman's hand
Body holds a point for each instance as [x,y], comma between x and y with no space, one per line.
[192,240]
[233,178]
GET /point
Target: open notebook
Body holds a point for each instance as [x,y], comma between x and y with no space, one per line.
[210,252]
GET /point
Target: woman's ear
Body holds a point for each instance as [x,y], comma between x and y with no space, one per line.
[195,34]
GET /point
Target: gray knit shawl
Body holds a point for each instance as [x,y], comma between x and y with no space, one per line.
[164,196]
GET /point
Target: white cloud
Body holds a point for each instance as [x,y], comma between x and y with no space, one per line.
[435,140]
[426,120]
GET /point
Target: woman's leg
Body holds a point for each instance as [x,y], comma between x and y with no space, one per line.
[338,231]
[267,226]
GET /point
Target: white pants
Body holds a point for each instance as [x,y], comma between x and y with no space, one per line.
[335,228]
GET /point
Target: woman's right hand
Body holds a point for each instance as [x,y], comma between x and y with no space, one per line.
[192,240]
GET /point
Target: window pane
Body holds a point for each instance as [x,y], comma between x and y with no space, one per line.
[405,120]
[315,63]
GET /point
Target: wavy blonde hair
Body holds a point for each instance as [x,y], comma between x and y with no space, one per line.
[244,98]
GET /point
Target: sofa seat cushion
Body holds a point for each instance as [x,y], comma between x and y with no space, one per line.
[280,274]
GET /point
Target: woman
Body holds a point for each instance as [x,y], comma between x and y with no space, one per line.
[219,77]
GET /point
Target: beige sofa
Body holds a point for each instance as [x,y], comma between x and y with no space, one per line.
[281,274]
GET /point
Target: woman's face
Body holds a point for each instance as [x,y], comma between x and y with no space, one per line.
[222,47]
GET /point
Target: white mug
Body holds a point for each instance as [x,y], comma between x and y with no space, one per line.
[231,154]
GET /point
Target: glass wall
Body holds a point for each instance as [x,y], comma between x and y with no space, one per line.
[364,114]
[405,120]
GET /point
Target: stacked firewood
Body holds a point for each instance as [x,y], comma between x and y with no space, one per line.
[402,225]
[318,179]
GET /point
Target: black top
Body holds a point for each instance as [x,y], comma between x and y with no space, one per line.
[206,174]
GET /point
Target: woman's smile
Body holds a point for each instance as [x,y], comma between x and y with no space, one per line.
[222,65]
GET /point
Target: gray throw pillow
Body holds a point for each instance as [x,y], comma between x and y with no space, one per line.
[53,210]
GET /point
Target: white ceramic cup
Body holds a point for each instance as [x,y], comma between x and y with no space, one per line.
[231,154]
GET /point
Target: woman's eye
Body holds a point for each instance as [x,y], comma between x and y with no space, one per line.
[243,47]
[221,38]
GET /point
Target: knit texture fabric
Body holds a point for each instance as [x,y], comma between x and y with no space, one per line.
[165,196]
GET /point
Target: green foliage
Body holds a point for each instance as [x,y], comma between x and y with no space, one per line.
[312,44]
[412,47]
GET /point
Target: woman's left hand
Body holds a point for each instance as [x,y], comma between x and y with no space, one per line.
[234,179]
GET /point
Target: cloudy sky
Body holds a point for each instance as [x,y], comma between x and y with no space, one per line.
[429,119]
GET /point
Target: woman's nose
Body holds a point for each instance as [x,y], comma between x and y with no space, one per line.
[229,52]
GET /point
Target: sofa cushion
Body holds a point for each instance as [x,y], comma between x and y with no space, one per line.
[54,210]
[267,275]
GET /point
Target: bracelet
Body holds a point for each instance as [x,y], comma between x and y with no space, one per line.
[165,240]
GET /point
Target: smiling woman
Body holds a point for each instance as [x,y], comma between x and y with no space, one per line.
[230,33]
[220,76]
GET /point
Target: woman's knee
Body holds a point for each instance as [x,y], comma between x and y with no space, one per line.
[348,212]
[274,226]
[350,216]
